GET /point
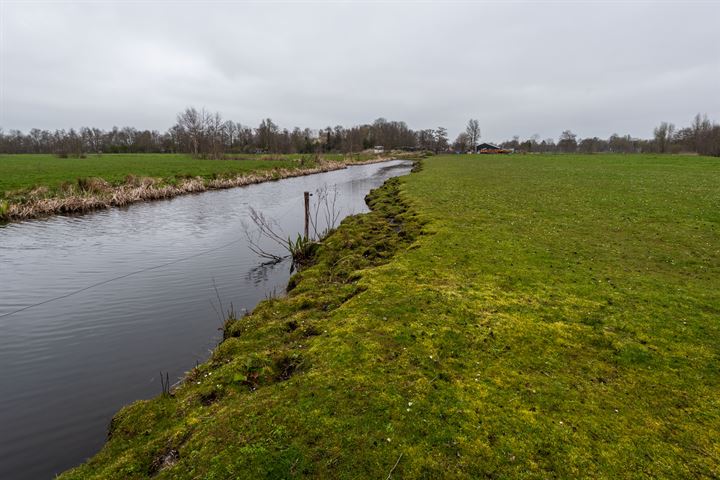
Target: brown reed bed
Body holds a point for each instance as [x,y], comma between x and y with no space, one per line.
[96,194]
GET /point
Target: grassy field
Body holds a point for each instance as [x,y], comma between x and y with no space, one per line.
[493,317]
[24,172]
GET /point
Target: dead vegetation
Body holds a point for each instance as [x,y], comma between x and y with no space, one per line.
[89,194]
[321,220]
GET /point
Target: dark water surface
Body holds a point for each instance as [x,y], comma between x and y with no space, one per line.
[69,364]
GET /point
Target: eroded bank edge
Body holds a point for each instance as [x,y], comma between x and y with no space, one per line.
[265,347]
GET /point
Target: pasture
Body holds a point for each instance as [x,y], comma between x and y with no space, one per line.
[21,173]
[493,317]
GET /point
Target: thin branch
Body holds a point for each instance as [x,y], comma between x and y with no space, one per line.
[394,467]
[325,205]
[217,295]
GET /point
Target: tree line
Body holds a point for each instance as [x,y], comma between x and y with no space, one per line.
[205,134]
[702,137]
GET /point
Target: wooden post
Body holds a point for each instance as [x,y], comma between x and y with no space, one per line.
[307,215]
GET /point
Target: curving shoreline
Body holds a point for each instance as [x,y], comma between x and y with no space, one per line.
[142,189]
[266,351]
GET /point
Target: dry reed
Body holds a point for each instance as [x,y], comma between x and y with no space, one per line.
[96,194]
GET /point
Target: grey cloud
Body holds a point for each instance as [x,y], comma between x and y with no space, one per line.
[521,68]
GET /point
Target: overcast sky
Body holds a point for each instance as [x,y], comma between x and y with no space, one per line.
[521,68]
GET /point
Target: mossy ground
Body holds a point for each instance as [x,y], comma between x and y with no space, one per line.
[492,317]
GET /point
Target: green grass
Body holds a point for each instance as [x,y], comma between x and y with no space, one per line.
[25,172]
[559,317]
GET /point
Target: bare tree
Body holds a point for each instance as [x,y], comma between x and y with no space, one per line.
[266,135]
[461,143]
[663,136]
[513,144]
[230,129]
[700,127]
[426,139]
[618,144]
[590,145]
[215,134]
[326,214]
[441,139]
[568,142]
[548,145]
[192,126]
[203,134]
[473,133]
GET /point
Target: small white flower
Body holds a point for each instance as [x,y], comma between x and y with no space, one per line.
[409,404]
[388,439]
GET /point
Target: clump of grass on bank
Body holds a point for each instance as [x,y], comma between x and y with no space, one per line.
[558,318]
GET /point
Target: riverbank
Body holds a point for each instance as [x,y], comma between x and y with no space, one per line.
[50,196]
[516,317]
[147,286]
[271,350]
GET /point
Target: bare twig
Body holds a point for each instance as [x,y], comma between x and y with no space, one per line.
[394,467]
[217,294]
[325,205]
[292,468]
[300,249]
[265,228]
[212,304]
[165,383]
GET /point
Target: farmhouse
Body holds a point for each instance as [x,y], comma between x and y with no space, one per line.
[490,148]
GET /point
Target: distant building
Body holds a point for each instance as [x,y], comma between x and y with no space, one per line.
[379,149]
[490,148]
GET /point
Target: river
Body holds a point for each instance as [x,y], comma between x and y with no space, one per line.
[93,307]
